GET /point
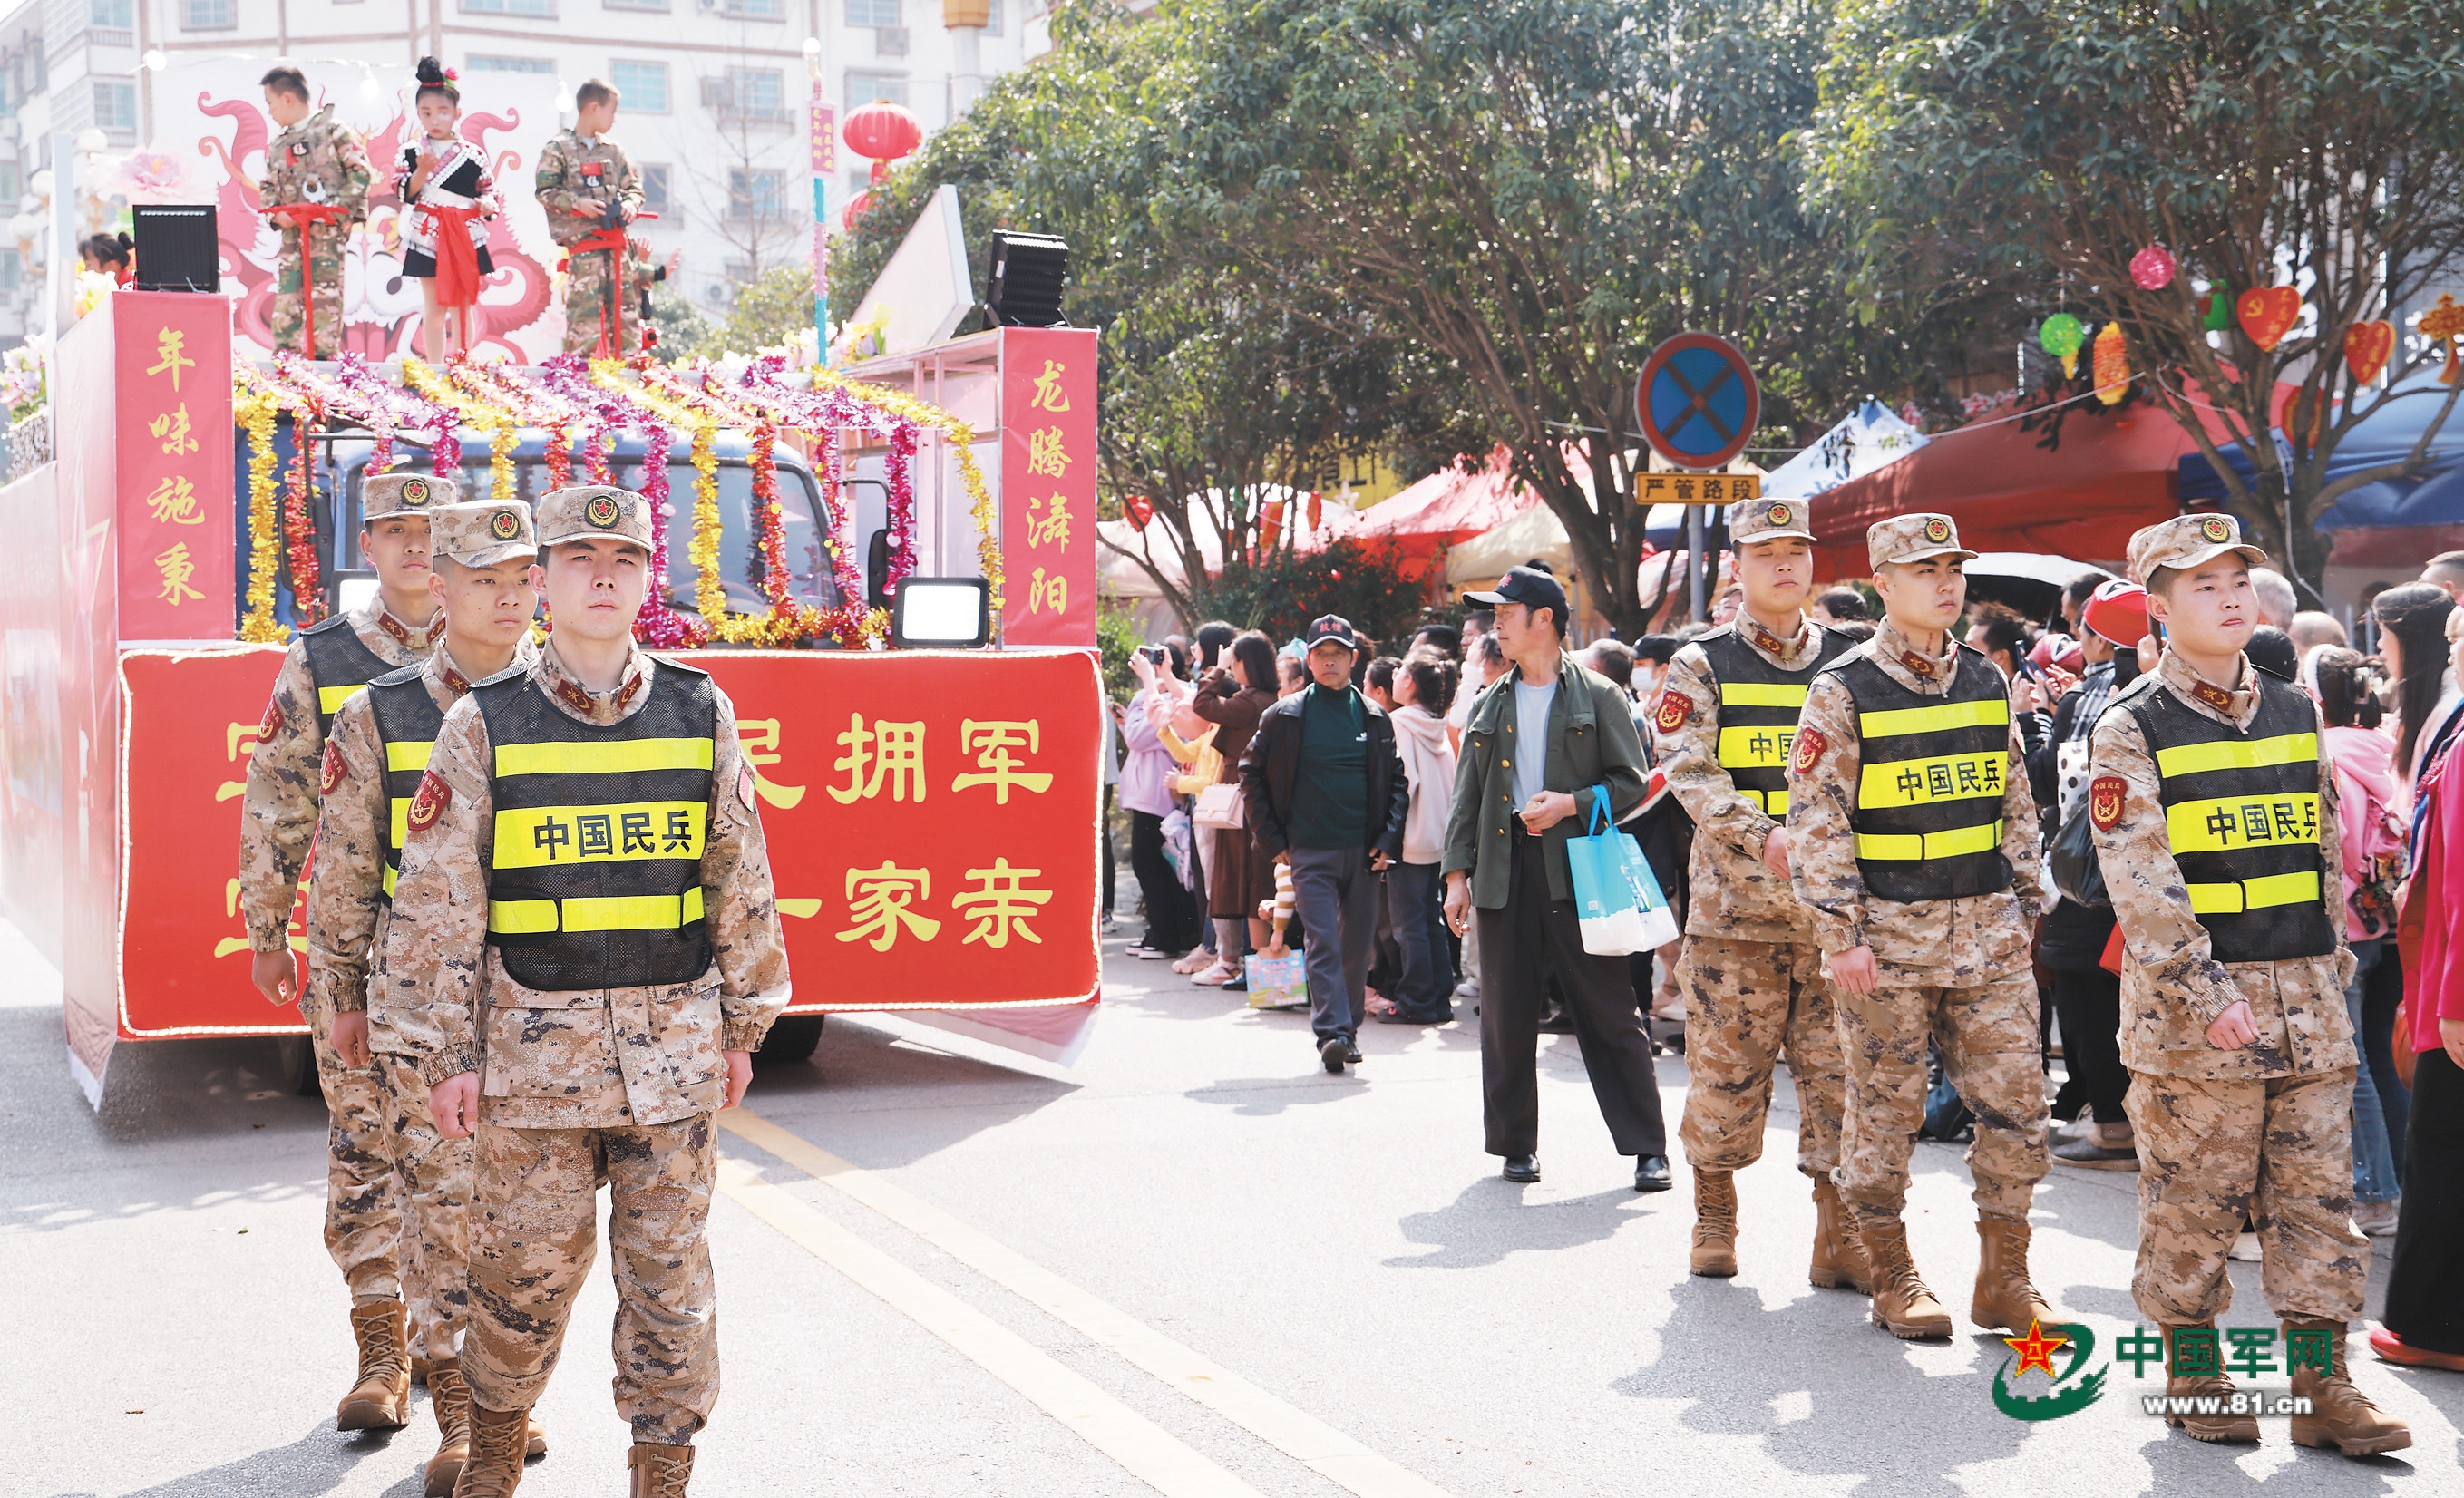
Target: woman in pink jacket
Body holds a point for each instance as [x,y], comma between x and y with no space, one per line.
[2370,822]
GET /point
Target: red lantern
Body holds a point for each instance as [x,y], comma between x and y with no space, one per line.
[855,208]
[881,132]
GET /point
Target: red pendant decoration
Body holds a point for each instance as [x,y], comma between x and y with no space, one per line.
[2366,347]
[1141,509]
[2268,312]
[2152,267]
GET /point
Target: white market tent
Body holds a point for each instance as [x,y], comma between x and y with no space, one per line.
[1870,439]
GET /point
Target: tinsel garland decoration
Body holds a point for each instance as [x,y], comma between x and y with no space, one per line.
[532,405]
[300,525]
[253,411]
[503,430]
[701,549]
[358,392]
[567,377]
[378,416]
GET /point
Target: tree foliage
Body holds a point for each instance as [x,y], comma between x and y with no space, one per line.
[1280,590]
[2310,143]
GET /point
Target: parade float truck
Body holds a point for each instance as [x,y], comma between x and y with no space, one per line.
[932,812]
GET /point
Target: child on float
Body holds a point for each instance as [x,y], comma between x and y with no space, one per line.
[448,198]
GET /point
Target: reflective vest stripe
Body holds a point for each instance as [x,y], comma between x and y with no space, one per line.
[610,832]
[1774,803]
[407,757]
[1756,748]
[330,699]
[1761,693]
[2226,754]
[1894,721]
[1985,838]
[615,756]
[616,913]
[390,875]
[1929,782]
[2255,894]
[398,818]
[2224,824]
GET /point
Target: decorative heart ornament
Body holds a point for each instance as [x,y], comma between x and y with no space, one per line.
[2268,312]
[1140,509]
[2366,347]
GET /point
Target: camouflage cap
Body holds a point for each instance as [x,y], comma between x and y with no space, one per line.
[403,494]
[1768,519]
[1913,537]
[483,535]
[588,510]
[2186,541]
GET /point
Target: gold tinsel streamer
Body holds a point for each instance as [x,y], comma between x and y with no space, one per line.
[980,505]
[502,427]
[256,413]
[710,594]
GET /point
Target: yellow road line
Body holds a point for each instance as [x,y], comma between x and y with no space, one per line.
[1297,1434]
[1149,1452]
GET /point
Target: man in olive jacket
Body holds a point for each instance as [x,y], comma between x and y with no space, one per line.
[1541,740]
[1327,795]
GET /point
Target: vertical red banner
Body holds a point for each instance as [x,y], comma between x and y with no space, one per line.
[1047,478]
[172,429]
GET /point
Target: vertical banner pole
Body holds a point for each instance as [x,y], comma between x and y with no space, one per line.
[824,156]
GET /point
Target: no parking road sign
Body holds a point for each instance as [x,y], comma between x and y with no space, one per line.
[1697,400]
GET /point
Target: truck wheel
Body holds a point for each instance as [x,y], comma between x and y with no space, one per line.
[295,1065]
[791,1041]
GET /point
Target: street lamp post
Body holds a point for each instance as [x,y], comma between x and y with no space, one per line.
[824,139]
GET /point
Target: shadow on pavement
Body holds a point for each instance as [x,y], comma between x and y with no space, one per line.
[1490,1220]
[317,1463]
[1264,1097]
[881,1099]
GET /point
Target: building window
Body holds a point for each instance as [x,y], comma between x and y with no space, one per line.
[635,5]
[874,13]
[654,191]
[757,196]
[545,7]
[478,62]
[208,16]
[112,15]
[867,88]
[13,271]
[641,87]
[115,105]
[756,94]
[756,9]
[993,19]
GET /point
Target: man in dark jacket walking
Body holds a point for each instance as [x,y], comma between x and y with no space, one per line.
[1542,739]
[1327,796]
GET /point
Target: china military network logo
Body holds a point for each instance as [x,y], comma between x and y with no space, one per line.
[2217,529]
[603,512]
[1937,530]
[2074,1388]
[505,525]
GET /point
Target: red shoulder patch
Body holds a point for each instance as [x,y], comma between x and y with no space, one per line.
[433,797]
[744,785]
[335,768]
[1674,709]
[2104,796]
[272,722]
[1809,747]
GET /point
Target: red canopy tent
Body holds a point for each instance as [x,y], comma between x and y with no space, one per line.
[2110,475]
[1448,507]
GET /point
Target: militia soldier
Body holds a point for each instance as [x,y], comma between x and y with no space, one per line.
[591,190]
[584,955]
[1913,837]
[2214,819]
[317,162]
[325,666]
[482,556]
[1751,969]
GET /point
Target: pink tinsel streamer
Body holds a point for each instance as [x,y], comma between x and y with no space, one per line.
[567,377]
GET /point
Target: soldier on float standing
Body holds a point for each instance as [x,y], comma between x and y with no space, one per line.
[1751,969]
[1913,837]
[584,955]
[481,556]
[316,159]
[2214,819]
[325,664]
[588,184]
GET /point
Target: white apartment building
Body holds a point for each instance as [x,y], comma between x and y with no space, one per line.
[714,93]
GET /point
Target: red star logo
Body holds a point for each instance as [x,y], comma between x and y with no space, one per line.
[2036,1349]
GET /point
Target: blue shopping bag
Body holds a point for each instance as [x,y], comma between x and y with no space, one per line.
[1616,900]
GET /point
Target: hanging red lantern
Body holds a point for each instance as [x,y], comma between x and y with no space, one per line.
[855,208]
[1317,511]
[2152,267]
[881,131]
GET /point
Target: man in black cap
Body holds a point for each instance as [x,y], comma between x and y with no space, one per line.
[1541,741]
[1327,796]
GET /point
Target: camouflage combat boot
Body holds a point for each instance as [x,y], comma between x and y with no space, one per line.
[2218,1424]
[449,1398]
[495,1466]
[1902,1305]
[1715,1223]
[2005,1300]
[659,1471]
[381,1399]
[2341,1415]
[1839,1257]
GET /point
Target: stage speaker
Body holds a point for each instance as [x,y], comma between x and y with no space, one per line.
[1028,274]
[177,248]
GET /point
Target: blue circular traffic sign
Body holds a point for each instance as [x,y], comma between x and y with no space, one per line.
[1697,402]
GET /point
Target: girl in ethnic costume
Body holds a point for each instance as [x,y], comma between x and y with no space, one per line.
[443,179]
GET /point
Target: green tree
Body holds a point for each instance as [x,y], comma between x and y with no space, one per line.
[2264,142]
[773,309]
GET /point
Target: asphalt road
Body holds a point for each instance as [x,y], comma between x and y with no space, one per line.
[1194,1263]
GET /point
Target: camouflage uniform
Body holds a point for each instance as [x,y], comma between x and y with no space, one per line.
[2265,1130]
[577,178]
[575,1082]
[1954,970]
[319,160]
[1753,972]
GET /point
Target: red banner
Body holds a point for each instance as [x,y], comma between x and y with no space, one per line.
[1047,415]
[931,821]
[172,429]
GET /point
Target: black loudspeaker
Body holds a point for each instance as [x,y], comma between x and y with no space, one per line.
[1028,274]
[177,248]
